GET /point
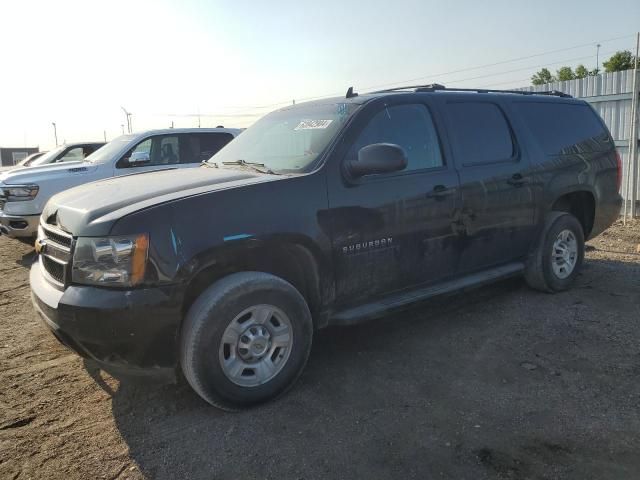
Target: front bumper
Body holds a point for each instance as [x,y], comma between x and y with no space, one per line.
[15,226]
[134,331]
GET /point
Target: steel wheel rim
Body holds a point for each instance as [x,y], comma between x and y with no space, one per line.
[565,254]
[256,345]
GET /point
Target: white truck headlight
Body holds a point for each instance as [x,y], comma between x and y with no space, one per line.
[110,261]
[20,193]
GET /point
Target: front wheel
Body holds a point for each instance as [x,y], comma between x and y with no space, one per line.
[555,263]
[245,340]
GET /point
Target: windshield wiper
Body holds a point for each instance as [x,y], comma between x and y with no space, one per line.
[258,167]
[205,163]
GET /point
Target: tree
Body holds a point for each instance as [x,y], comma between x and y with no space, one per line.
[565,73]
[542,77]
[581,71]
[621,60]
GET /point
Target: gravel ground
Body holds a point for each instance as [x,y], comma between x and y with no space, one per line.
[503,382]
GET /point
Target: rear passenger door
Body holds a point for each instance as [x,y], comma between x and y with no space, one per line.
[392,231]
[498,205]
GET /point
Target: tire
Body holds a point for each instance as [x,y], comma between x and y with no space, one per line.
[232,337]
[540,272]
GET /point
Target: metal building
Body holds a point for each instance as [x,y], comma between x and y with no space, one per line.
[11,156]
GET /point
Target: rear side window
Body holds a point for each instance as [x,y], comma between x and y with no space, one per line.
[561,128]
[480,133]
[409,126]
[202,146]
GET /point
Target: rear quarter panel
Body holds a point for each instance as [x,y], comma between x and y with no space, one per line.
[589,166]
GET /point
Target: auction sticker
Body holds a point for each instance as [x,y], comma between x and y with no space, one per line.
[313,124]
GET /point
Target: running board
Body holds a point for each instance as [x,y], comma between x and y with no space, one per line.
[399,300]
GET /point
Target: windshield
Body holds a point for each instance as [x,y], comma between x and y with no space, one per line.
[107,152]
[47,157]
[288,140]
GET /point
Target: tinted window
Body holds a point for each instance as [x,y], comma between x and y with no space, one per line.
[479,133]
[563,127]
[89,149]
[409,126]
[202,146]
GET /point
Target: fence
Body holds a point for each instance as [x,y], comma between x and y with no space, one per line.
[611,96]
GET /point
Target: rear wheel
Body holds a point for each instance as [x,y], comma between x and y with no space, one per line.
[245,340]
[558,257]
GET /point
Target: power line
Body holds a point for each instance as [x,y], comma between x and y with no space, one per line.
[525,68]
[502,62]
[249,111]
[441,74]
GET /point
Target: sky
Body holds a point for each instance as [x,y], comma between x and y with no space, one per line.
[76,63]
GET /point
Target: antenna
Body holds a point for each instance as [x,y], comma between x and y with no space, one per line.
[350,93]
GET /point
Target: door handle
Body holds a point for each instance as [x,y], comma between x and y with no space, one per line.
[440,191]
[517,180]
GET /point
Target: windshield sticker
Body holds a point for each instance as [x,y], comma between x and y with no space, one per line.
[313,124]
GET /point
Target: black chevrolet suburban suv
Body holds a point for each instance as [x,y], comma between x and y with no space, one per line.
[323,213]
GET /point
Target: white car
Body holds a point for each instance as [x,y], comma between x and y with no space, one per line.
[25,191]
[70,152]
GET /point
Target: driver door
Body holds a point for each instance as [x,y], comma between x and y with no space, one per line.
[153,153]
[393,231]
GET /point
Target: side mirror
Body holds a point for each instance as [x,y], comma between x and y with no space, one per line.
[378,158]
[139,158]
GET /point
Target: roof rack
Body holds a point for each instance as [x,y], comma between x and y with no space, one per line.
[433,87]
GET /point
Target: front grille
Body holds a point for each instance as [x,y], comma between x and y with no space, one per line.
[56,253]
[58,237]
[54,269]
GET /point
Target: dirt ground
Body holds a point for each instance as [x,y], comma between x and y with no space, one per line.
[503,382]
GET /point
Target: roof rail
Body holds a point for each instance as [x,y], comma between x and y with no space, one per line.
[433,87]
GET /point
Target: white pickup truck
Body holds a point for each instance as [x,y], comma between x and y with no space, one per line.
[25,191]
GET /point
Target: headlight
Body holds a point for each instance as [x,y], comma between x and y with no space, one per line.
[116,261]
[20,193]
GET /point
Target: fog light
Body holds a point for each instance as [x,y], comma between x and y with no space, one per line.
[18,224]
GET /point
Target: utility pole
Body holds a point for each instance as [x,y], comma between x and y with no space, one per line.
[633,138]
[598,58]
[122,127]
[55,132]
[104,132]
[631,181]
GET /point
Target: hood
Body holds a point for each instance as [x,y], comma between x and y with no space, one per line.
[22,175]
[92,209]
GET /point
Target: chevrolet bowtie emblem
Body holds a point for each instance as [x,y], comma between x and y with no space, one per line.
[40,246]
